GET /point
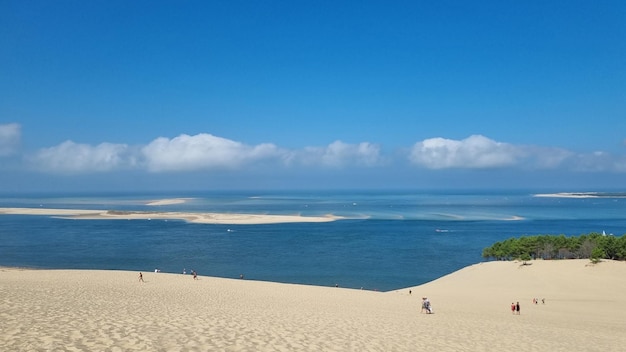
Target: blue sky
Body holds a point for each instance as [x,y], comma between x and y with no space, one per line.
[203,95]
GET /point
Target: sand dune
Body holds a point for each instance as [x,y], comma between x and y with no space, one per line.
[47,310]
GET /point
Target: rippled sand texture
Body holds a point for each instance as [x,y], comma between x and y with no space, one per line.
[44,310]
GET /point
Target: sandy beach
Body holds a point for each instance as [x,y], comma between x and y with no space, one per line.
[73,310]
[203,218]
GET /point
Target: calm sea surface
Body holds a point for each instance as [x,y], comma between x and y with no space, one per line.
[389,240]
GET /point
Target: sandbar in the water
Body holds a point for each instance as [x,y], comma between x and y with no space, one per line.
[204,218]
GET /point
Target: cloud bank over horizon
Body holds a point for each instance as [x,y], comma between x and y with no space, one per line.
[206,152]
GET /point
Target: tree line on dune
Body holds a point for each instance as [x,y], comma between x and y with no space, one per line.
[594,246]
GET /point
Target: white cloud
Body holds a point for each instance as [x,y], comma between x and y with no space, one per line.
[198,152]
[473,152]
[9,138]
[203,151]
[339,154]
[477,152]
[70,157]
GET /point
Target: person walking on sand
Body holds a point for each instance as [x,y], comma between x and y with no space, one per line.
[517,308]
[141,277]
[512,308]
[195,275]
[426,306]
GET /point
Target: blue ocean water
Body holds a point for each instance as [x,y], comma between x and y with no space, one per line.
[388,240]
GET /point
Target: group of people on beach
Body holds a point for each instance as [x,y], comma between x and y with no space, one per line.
[193,272]
[515,307]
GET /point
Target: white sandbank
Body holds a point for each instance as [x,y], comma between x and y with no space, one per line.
[170,201]
[205,218]
[45,310]
[582,195]
[566,195]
